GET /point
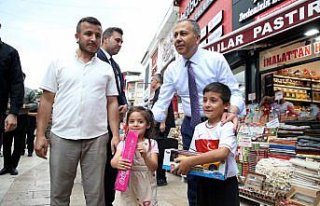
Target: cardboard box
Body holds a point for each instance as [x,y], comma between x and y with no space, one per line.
[215,170]
[304,196]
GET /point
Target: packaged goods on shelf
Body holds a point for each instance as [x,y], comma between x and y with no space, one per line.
[253,188]
[306,173]
[301,196]
[282,148]
[278,173]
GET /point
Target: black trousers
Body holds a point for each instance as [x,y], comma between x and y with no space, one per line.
[31,126]
[11,160]
[1,129]
[187,134]
[110,175]
[212,192]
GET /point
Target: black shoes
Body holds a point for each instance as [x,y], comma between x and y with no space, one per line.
[4,171]
[162,182]
[12,171]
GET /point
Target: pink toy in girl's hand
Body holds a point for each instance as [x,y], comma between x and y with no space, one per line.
[128,151]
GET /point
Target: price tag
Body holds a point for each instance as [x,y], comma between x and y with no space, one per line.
[278,95]
[273,123]
[252,96]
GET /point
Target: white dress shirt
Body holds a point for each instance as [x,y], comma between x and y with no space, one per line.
[208,67]
[80,104]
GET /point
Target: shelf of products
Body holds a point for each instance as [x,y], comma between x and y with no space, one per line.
[255,200]
[297,89]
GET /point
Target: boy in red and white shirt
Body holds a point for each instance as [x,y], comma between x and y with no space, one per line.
[215,142]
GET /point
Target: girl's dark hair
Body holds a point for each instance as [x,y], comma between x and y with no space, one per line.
[219,88]
[148,115]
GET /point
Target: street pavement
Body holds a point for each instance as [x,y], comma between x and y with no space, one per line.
[31,187]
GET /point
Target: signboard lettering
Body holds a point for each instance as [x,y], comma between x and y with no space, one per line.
[290,18]
[259,7]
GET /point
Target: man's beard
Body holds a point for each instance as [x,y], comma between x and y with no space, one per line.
[83,49]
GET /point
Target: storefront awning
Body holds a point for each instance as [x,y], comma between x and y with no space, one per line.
[298,13]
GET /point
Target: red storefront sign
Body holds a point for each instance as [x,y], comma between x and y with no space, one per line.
[296,15]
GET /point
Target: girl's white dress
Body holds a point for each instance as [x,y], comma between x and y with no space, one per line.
[142,188]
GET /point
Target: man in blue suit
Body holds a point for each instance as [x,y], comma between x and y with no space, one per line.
[111,45]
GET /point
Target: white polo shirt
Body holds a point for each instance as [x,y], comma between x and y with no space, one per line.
[80,105]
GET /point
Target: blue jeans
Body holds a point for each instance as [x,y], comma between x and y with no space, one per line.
[187,134]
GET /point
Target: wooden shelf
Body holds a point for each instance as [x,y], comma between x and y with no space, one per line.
[256,201]
[303,88]
[294,78]
[291,87]
[297,100]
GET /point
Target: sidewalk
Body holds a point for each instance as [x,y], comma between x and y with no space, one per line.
[31,187]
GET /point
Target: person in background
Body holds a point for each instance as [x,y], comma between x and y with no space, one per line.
[162,129]
[111,45]
[269,105]
[32,125]
[11,87]
[142,183]
[189,74]
[215,143]
[29,123]
[84,93]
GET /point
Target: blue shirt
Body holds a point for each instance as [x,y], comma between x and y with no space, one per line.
[208,67]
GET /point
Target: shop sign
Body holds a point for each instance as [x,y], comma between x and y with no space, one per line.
[203,32]
[154,58]
[215,21]
[193,4]
[258,7]
[290,18]
[287,55]
[216,34]
[167,51]
[202,9]
[202,44]
[278,96]
[275,9]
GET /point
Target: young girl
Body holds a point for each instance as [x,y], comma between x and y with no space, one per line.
[142,183]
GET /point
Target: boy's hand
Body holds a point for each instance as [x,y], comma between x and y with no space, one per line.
[141,149]
[124,164]
[184,165]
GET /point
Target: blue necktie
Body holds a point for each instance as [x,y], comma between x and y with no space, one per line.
[194,97]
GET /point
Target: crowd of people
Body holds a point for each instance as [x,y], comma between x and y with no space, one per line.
[83,96]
